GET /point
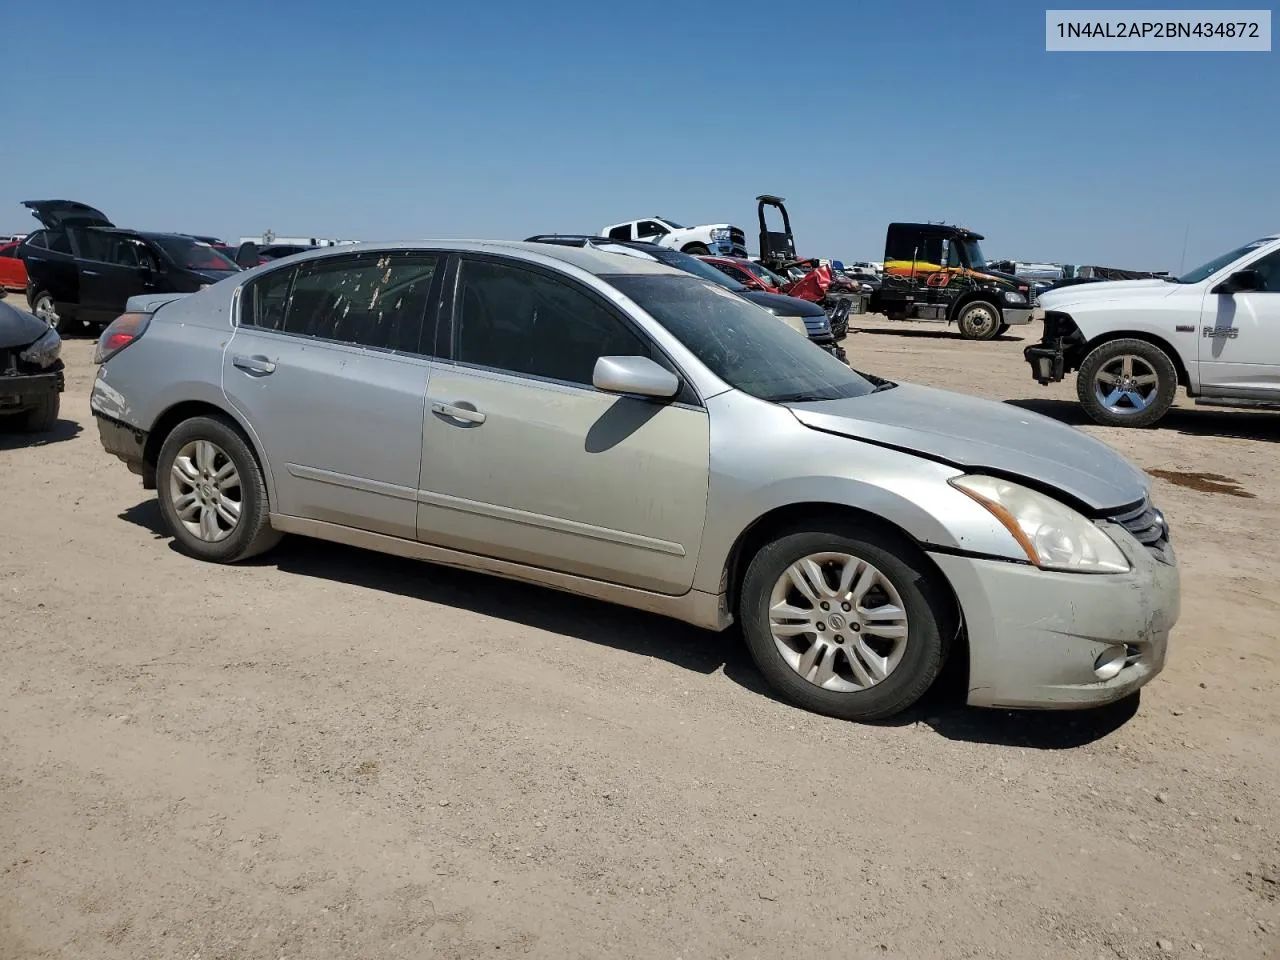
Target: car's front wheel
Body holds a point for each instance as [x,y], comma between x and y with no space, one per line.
[1127,383]
[696,249]
[848,624]
[212,493]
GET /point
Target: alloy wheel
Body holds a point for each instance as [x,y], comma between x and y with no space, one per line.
[1126,385]
[204,487]
[44,309]
[838,621]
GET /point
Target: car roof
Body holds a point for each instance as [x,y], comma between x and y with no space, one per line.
[593,261]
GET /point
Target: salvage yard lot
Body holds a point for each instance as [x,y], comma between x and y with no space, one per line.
[328,753]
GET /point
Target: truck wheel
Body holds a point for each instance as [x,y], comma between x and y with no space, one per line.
[979,320]
[1127,383]
[695,249]
[849,623]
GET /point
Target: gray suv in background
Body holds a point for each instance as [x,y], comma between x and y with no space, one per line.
[610,426]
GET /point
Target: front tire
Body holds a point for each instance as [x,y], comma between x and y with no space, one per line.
[979,320]
[1127,383]
[695,249]
[847,624]
[212,493]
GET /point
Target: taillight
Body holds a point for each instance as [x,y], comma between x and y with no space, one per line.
[121,332]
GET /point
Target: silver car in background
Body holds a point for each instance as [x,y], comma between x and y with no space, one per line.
[612,427]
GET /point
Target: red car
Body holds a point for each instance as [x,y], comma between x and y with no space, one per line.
[749,273]
[13,272]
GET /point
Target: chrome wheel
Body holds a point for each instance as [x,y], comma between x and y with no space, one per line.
[204,487]
[838,622]
[46,311]
[1126,384]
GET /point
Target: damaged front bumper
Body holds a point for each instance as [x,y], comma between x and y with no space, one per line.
[1042,639]
[24,391]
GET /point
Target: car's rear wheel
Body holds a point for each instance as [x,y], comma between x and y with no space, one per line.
[1127,383]
[848,624]
[42,417]
[696,249]
[212,493]
[979,320]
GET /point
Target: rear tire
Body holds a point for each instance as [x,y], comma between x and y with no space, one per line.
[979,320]
[44,307]
[42,417]
[695,249]
[900,575]
[1103,371]
[195,505]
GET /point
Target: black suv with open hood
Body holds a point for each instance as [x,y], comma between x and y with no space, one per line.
[82,268]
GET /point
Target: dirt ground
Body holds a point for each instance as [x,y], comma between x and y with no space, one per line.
[333,754]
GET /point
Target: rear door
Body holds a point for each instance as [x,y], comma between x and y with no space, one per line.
[328,366]
[1239,338]
[523,459]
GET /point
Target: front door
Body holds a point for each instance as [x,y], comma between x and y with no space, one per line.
[1240,337]
[523,459]
[328,367]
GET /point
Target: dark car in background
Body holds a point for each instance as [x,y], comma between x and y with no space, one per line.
[31,371]
[799,314]
[82,268]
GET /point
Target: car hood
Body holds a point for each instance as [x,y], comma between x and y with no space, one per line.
[19,328]
[982,435]
[783,306]
[1104,290]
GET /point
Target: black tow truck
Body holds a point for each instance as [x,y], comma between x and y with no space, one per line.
[936,272]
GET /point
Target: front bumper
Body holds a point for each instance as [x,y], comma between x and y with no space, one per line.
[1016,316]
[727,248]
[1048,362]
[24,391]
[1035,635]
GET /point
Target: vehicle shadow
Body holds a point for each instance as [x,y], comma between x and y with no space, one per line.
[62,430]
[946,333]
[1210,422]
[648,635]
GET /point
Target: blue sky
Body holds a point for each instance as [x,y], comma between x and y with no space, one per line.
[403,119]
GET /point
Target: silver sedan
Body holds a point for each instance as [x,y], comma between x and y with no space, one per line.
[613,427]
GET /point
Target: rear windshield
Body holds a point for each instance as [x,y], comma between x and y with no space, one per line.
[194,255]
[744,345]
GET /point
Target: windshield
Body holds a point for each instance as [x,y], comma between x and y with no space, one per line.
[1207,270]
[744,345]
[972,253]
[194,255]
[699,268]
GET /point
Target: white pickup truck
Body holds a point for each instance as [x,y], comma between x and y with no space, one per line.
[720,239]
[1214,331]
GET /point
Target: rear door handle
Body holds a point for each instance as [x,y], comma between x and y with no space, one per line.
[257,364]
[462,411]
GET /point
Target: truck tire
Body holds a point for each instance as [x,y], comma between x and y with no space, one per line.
[1127,383]
[979,320]
[695,249]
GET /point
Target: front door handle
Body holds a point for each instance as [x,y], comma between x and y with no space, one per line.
[462,411]
[257,365]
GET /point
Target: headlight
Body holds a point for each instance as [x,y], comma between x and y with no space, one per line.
[44,352]
[1012,296]
[1053,535]
[721,233]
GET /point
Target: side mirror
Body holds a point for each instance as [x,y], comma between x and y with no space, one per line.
[1242,281]
[634,375]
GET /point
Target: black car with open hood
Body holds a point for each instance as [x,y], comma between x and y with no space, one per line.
[82,268]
